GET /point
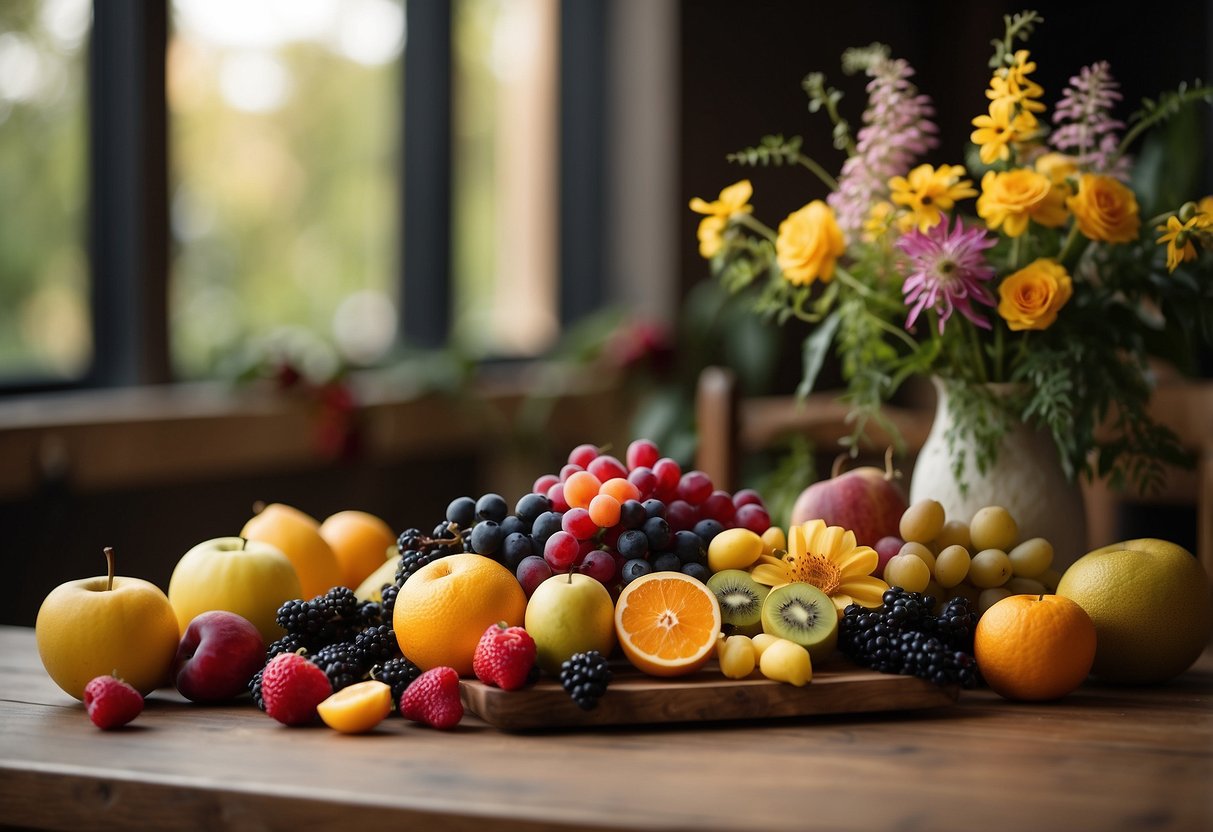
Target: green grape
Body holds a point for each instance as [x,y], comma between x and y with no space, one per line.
[990,597]
[922,521]
[919,551]
[954,533]
[952,565]
[908,572]
[993,527]
[1031,558]
[990,568]
[1050,578]
[1025,586]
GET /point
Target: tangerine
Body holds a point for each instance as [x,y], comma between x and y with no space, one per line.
[358,708]
[445,607]
[1034,647]
[360,541]
[667,623]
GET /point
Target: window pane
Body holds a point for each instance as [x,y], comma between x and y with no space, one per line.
[45,327]
[505,160]
[285,132]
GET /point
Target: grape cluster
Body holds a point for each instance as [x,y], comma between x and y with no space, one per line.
[585,676]
[610,519]
[905,636]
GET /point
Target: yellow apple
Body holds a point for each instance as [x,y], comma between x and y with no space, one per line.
[248,577]
[107,624]
[360,542]
[297,535]
[570,614]
[372,586]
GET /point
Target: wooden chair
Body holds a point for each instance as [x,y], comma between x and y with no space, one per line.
[731,427]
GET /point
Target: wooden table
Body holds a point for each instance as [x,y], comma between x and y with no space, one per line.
[1103,758]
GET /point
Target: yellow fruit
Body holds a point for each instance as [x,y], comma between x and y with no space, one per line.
[248,577]
[569,614]
[1034,647]
[1150,602]
[298,536]
[735,548]
[737,656]
[108,624]
[444,609]
[371,588]
[358,708]
[667,623]
[360,542]
[786,661]
[774,540]
[761,642]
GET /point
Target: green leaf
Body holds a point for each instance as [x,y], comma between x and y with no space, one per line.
[816,347]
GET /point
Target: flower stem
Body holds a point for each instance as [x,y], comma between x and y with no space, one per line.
[754,225]
[1073,247]
[981,361]
[818,171]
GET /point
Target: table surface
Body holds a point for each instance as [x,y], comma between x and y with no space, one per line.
[1102,758]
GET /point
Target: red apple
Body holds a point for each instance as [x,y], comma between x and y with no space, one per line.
[867,500]
[218,655]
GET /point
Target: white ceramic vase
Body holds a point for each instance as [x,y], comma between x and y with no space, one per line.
[1026,478]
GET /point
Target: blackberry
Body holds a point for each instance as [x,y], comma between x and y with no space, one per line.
[903,636]
[410,562]
[308,620]
[289,643]
[449,539]
[397,674]
[340,662]
[387,601]
[375,645]
[254,687]
[370,614]
[342,603]
[409,539]
[585,676]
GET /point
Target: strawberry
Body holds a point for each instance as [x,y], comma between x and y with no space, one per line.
[504,657]
[433,698]
[292,687]
[111,702]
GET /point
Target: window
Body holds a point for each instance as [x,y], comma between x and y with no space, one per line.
[45,328]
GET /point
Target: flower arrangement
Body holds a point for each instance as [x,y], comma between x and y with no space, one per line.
[1033,263]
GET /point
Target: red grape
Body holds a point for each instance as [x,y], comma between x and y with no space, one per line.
[753,517]
[719,506]
[599,565]
[577,522]
[681,515]
[694,487]
[747,496]
[642,453]
[561,551]
[607,467]
[532,571]
[556,495]
[583,455]
[644,480]
[544,483]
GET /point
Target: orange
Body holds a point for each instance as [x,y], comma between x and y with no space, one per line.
[444,609]
[667,623]
[1149,599]
[297,535]
[1034,647]
[361,543]
[357,708]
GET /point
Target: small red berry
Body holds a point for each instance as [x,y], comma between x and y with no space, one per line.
[292,687]
[111,702]
[433,698]
[504,657]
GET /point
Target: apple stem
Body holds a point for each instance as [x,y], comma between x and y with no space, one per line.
[243,543]
[890,473]
[109,563]
[836,469]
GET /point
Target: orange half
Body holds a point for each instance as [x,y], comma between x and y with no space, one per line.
[358,708]
[667,623]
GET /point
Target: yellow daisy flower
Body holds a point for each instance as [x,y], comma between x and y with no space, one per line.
[733,200]
[1013,82]
[878,222]
[828,558]
[1004,124]
[928,192]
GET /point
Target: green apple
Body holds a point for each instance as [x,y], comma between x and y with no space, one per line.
[248,577]
[569,614]
[107,625]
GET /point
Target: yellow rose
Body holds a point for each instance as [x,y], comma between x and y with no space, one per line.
[1010,198]
[809,243]
[1031,298]
[1105,209]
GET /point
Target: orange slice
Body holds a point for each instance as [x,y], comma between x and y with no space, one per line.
[667,623]
[358,708]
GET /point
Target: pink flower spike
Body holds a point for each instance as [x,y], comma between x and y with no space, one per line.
[947,272]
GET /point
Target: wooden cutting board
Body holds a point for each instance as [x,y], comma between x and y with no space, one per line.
[635,699]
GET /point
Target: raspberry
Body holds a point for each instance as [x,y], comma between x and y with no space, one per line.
[504,657]
[434,699]
[111,702]
[292,687]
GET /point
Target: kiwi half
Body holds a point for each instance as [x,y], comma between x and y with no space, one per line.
[741,599]
[804,614]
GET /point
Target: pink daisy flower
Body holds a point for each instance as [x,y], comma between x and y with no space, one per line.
[948,272]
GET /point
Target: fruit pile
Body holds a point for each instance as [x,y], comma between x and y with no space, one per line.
[605,562]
